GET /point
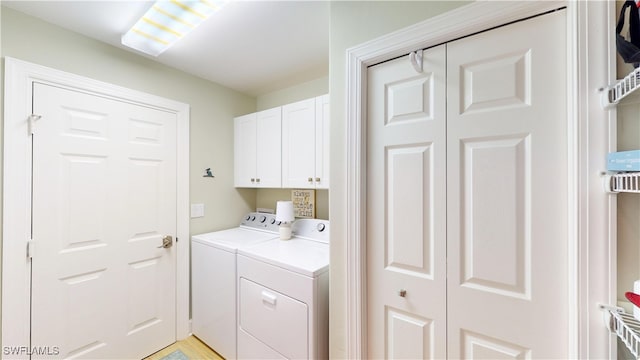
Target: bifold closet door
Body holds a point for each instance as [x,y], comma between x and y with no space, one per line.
[406,209]
[507,287]
[467,198]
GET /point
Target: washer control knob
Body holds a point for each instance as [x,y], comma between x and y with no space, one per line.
[279,222]
[248,217]
[253,218]
[263,218]
[320,227]
[273,221]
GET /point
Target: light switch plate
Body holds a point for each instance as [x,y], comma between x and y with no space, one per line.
[197,210]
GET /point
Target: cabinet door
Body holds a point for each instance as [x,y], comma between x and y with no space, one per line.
[298,144]
[321,178]
[269,148]
[244,132]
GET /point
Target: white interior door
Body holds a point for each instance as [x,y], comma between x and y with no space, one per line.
[104,196]
[406,209]
[466,212]
[506,200]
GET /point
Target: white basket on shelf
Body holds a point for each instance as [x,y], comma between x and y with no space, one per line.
[622,182]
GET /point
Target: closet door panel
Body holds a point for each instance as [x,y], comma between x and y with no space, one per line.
[507,208]
[406,259]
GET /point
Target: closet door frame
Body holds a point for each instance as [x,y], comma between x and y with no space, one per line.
[591,134]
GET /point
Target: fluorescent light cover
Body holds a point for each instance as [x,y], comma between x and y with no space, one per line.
[166,22]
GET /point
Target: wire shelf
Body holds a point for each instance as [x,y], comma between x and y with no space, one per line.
[621,89]
[623,182]
[626,327]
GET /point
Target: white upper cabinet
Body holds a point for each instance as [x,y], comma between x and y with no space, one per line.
[284,147]
[322,142]
[257,149]
[298,144]
[244,130]
[305,144]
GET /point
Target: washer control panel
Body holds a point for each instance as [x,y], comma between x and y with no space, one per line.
[313,229]
[260,221]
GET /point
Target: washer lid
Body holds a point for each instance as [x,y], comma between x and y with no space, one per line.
[233,239]
[306,257]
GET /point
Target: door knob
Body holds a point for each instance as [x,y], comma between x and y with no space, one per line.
[167,242]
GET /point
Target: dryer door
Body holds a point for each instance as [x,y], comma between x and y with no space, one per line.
[277,320]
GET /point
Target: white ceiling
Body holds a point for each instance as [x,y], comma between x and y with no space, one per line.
[251,46]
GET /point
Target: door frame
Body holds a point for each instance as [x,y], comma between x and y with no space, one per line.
[16,209]
[591,135]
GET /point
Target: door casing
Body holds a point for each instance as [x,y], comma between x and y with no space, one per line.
[591,132]
[16,267]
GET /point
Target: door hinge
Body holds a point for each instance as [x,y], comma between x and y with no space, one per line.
[30,248]
[32,122]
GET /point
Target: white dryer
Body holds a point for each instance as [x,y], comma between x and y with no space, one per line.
[283,295]
[213,279]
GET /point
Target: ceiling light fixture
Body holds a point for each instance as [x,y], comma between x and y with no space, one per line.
[166,22]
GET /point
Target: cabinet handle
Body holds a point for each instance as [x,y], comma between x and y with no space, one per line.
[317,179]
[258,180]
[269,298]
[253,180]
[310,179]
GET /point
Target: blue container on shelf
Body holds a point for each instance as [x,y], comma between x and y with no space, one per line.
[624,161]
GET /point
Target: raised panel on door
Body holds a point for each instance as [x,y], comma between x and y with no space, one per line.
[406,188]
[321,178]
[507,208]
[244,150]
[83,298]
[269,148]
[298,144]
[72,211]
[150,271]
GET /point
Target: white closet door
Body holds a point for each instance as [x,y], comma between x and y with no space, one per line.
[507,198]
[406,208]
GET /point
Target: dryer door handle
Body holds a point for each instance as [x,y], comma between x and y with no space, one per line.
[269,298]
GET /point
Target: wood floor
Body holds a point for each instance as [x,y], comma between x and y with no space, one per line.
[191,346]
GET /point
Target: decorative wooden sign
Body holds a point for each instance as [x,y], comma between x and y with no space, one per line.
[304,203]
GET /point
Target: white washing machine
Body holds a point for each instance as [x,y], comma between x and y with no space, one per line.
[213,279]
[283,295]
